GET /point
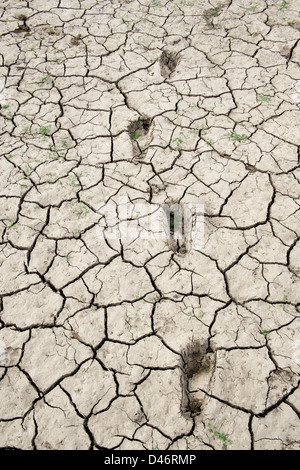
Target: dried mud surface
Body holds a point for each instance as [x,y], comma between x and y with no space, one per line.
[129,342]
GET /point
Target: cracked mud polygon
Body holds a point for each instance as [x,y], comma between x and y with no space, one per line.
[150,225]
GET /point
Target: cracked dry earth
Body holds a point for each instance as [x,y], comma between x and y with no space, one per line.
[158,341]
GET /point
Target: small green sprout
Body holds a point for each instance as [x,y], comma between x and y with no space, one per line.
[215,12]
[262,98]
[283,5]
[45,130]
[178,143]
[46,80]
[135,135]
[266,332]
[222,436]
[234,137]
[5,106]
[83,209]
[251,7]
[285,299]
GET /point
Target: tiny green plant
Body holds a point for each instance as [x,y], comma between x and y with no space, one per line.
[263,99]
[215,12]
[10,226]
[234,137]
[135,135]
[266,332]
[222,436]
[5,106]
[285,299]
[83,209]
[283,5]
[73,182]
[251,7]
[58,151]
[45,130]
[178,142]
[46,80]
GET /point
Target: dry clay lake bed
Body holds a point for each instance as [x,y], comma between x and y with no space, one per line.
[150,225]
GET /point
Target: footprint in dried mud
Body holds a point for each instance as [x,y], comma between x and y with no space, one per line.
[168,63]
[75,41]
[138,130]
[23,28]
[198,365]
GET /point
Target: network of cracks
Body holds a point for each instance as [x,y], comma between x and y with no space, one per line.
[149,220]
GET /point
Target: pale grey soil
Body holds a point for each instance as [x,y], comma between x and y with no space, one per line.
[115,332]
